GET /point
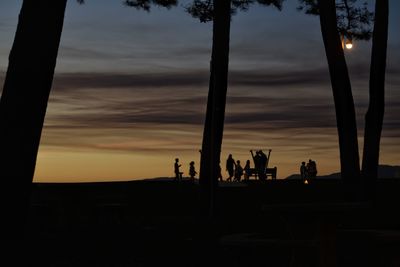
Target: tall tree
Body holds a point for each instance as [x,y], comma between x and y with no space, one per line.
[340,20]
[220,13]
[215,114]
[375,113]
[342,94]
[355,22]
[24,100]
[23,104]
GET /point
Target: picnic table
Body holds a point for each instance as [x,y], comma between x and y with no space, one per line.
[261,170]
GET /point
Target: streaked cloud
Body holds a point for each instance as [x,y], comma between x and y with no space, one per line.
[180,78]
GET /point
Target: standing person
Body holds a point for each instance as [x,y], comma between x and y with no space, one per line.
[230,165]
[314,164]
[303,171]
[238,171]
[308,168]
[192,171]
[311,169]
[256,159]
[247,170]
[263,165]
[178,173]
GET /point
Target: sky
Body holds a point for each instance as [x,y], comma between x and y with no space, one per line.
[130,89]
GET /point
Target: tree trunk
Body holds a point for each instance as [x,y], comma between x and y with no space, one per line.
[23,104]
[214,124]
[374,116]
[343,98]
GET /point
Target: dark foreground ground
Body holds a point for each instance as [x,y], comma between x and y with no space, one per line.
[156,223]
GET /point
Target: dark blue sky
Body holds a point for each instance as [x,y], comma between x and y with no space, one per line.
[131,86]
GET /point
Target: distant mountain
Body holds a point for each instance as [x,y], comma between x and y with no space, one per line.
[165,179]
[384,171]
[158,179]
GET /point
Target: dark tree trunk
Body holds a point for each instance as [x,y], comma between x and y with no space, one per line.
[214,124]
[374,116]
[23,104]
[343,98]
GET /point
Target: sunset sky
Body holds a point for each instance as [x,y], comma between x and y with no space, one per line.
[129,94]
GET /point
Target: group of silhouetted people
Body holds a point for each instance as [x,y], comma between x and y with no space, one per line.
[309,170]
[234,168]
[178,173]
[236,171]
[260,163]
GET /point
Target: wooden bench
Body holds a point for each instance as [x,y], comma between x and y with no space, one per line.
[269,172]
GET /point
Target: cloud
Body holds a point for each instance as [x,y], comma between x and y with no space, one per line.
[317,76]
[108,113]
[165,111]
[72,81]
[66,51]
[291,99]
[256,78]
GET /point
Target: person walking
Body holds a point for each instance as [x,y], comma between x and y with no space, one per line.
[303,171]
[238,171]
[230,165]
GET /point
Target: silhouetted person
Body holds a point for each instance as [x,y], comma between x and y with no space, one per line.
[238,171]
[192,171]
[263,165]
[311,169]
[303,171]
[230,165]
[256,159]
[314,164]
[247,170]
[178,173]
